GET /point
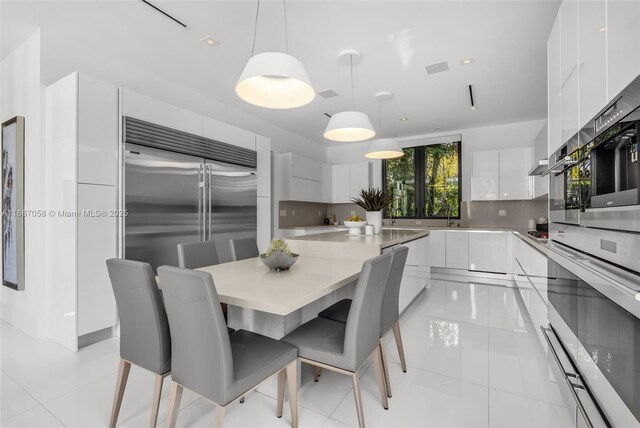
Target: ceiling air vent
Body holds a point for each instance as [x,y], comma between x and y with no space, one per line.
[329,93]
[157,9]
[437,67]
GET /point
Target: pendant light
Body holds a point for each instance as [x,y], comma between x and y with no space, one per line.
[352,125]
[274,80]
[383,148]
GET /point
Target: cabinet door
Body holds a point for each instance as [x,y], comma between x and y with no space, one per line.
[435,249]
[488,251]
[623,44]
[515,183]
[97,131]
[485,175]
[306,190]
[360,178]
[592,24]
[263,149]
[341,183]
[96,243]
[327,183]
[540,147]
[457,250]
[569,68]
[229,134]
[306,168]
[554,87]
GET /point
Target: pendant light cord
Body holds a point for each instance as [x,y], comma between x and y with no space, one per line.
[255,29]
[380,115]
[353,92]
[286,32]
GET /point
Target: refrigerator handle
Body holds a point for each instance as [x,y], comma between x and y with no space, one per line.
[209,185]
[201,201]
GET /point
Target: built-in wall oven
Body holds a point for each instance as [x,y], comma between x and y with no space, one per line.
[593,312]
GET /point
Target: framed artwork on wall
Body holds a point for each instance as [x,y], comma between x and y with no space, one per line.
[13,203]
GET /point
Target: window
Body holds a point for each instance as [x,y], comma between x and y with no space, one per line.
[425,182]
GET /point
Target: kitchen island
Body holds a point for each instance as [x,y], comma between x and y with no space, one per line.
[275,303]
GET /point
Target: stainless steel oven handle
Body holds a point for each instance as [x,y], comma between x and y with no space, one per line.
[574,387]
[564,162]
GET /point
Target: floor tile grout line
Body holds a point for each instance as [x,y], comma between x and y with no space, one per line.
[26,391]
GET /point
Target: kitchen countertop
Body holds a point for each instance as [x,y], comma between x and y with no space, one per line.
[317,227]
[386,237]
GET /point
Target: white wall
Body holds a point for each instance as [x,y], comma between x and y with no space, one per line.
[22,95]
[517,134]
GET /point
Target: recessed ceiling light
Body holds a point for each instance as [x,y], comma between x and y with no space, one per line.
[602,29]
[473,108]
[466,61]
[404,119]
[210,42]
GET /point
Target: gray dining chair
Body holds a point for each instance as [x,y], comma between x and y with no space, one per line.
[144,330]
[245,248]
[390,312]
[207,360]
[344,348]
[193,255]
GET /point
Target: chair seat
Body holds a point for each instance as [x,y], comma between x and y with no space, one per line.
[339,311]
[321,340]
[255,358]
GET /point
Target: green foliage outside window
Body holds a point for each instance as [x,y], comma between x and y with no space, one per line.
[425,182]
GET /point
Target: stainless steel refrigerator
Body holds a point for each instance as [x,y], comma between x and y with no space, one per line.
[172,198]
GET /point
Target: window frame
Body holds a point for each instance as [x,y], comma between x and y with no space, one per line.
[419,174]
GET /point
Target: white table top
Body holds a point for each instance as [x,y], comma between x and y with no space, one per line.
[250,284]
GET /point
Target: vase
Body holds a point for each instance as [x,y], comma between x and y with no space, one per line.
[374,218]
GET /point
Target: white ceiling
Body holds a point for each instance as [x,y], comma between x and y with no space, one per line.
[127,39]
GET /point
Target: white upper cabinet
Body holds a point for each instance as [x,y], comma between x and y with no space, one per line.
[592,42]
[569,68]
[300,178]
[540,147]
[360,177]
[97,131]
[485,175]
[502,174]
[341,183]
[263,153]
[327,183]
[349,179]
[623,44]
[229,134]
[554,88]
[515,183]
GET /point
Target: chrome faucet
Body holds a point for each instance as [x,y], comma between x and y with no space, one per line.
[392,221]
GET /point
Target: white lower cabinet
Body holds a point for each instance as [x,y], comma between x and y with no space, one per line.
[488,251]
[416,272]
[434,254]
[457,250]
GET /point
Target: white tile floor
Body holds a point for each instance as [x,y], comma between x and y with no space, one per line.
[473,361]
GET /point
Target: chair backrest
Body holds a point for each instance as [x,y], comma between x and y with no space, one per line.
[193,255]
[243,248]
[390,312]
[363,324]
[144,330]
[202,359]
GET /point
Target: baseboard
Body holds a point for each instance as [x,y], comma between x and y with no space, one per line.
[95,337]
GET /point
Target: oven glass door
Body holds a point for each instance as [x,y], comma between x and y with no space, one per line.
[602,338]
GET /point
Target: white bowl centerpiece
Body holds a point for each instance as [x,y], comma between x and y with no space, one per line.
[278,256]
[355,225]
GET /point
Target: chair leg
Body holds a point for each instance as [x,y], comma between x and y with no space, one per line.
[292,387]
[358,398]
[121,383]
[317,372]
[377,362]
[174,404]
[242,399]
[385,367]
[398,337]
[280,401]
[219,415]
[155,402]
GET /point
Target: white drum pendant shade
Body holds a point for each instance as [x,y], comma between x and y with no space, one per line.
[384,148]
[275,80]
[349,126]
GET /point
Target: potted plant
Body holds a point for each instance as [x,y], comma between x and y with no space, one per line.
[373,201]
[278,256]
